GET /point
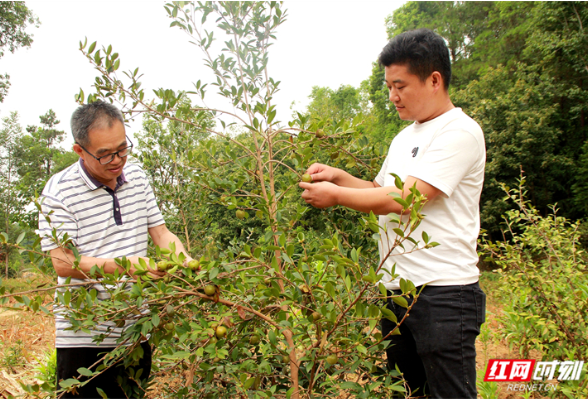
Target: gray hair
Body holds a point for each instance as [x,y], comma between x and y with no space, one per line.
[92,116]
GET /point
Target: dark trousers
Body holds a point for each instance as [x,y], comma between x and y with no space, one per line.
[436,349]
[110,381]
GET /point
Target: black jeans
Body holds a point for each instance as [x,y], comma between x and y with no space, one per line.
[436,349]
[70,359]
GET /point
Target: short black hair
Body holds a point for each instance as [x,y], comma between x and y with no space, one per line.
[422,50]
[92,116]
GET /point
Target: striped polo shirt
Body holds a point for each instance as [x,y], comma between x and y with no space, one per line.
[102,223]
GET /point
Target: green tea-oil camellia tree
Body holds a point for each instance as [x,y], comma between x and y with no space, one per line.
[284,311]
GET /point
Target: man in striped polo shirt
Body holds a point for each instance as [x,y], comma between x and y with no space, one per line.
[107,208]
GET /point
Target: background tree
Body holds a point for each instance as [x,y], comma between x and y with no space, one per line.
[161,149]
[15,17]
[343,103]
[519,69]
[11,204]
[39,156]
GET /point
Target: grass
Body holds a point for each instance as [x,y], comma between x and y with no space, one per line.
[25,338]
[12,355]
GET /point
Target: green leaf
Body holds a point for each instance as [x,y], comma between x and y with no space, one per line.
[330,289]
[383,289]
[249,383]
[92,47]
[20,238]
[84,372]
[387,313]
[402,202]
[401,301]
[272,337]
[402,284]
[101,393]
[399,232]
[68,382]
[178,355]
[142,263]
[394,218]
[425,237]
[397,181]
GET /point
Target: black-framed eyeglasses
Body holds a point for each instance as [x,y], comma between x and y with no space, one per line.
[107,159]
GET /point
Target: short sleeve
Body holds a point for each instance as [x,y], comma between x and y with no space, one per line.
[154,216]
[55,221]
[448,159]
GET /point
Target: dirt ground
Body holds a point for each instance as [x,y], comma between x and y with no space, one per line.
[25,338]
[496,347]
[28,337]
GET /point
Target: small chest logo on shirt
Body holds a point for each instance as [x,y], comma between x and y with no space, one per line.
[414,152]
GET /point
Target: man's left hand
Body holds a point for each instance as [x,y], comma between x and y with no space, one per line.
[320,194]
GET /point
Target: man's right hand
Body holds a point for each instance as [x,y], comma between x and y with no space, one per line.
[323,173]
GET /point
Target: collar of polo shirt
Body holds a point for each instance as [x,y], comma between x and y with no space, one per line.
[93,183]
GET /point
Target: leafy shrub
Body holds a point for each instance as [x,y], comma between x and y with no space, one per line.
[544,269]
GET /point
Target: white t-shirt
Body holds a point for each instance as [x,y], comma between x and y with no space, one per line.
[448,153]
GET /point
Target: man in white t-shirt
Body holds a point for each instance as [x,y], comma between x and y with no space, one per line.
[443,153]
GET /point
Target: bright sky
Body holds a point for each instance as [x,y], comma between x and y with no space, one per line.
[322,43]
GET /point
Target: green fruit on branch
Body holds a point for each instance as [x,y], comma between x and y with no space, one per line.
[221,331]
[170,310]
[332,359]
[320,133]
[194,265]
[169,326]
[316,316]
[240,214]
[306,178]
[162,266]
[286,359]
[210,290]
[254,339]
